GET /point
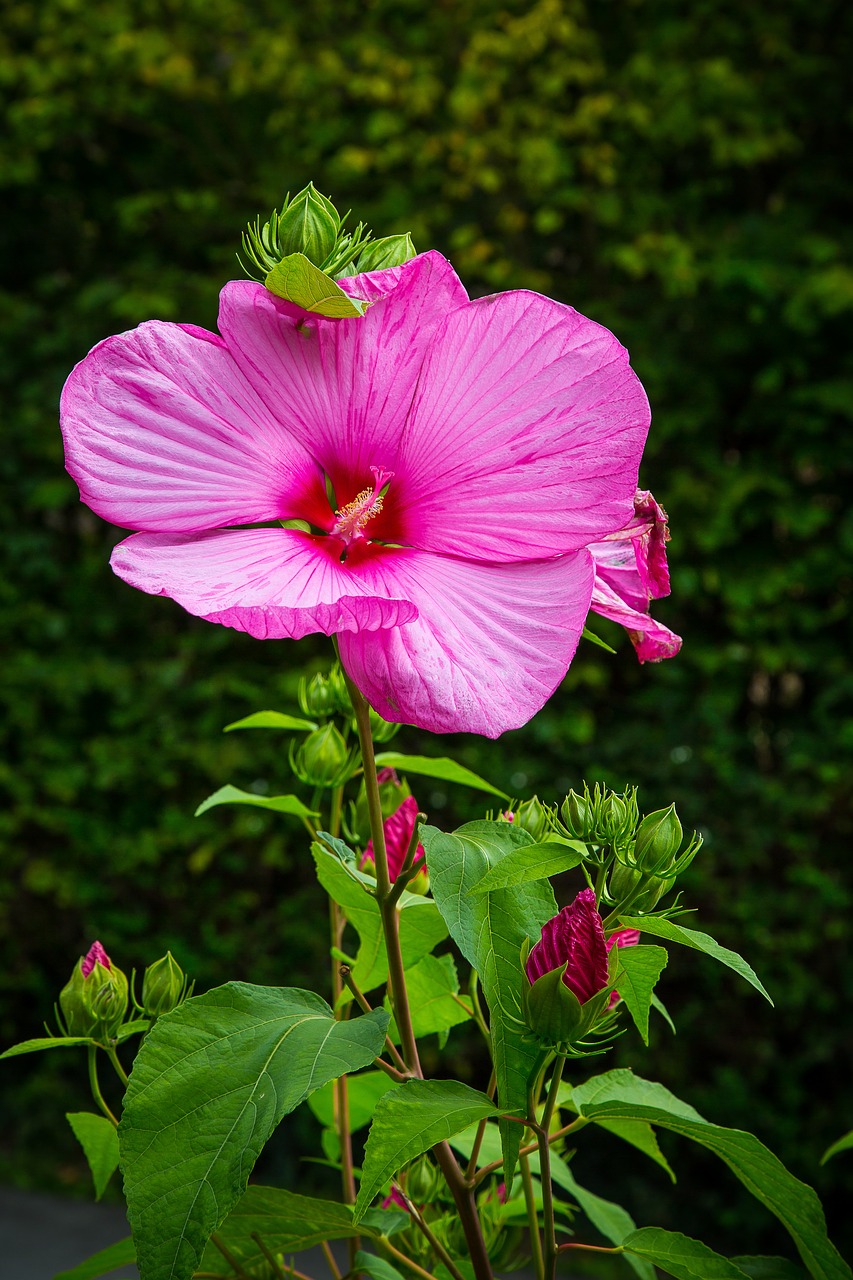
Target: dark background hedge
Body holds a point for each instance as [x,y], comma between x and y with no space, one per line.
[675,171]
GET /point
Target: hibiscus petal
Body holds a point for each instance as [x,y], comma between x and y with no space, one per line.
[272,583]
[343,387]
[525,434]
[652,640]
[163,432]
[490,645]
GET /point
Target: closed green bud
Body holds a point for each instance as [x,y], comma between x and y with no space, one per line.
[390,251]
[309,224]
[317,696]
[623,881]
[423,1181]
[576,814]
[94,1000]
[323,759]
[532,817]
[164,986]
[658,840]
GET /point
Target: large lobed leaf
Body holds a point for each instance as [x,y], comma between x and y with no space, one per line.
[209,1085]
[489,930]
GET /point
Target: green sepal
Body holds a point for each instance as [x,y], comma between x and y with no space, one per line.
[297,280]
[390,251]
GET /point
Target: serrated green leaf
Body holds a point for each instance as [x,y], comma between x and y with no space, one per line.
[532,862]
[210,1083]
[659,927]
[421,924]
[843,1144]
[621,1094]
[489,930]
[411,1120]
[286,1222]
[640,1135]
[639,969]
[363,1093]
[614,1222]
[46,1042]
[120,1254]
[770,1269]
[376,1268]
[432,985]
[278,804]
[271,720]
[441,767]
[297,280]
[99,1140]
[680,1256]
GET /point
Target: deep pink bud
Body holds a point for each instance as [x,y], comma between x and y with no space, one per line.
[395,1201]
[398,834]
[387,775]
[95,955]
[621,938]
[574,938]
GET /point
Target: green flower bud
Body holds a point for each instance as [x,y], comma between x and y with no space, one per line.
[423,1181]
[94,1000]
[623,881]
[323,759]
[390,251]
[164,986]
[532,817]
[316,696]
[576,813]
[658,840]
[309,224]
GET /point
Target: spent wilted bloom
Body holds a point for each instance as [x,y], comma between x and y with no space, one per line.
[431,476]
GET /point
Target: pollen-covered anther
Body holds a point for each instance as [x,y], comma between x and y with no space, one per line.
[350,519]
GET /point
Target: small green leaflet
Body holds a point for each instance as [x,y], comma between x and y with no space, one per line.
[99,1140]
[271,720]
[843,1144]
[680,1256]
[411,1120]
[602,644]
[640,968]
[233,795]
[287,1223]
[46,1042]
[620,1094]
[436,767]
[297,280]
[120,1254]
[533,862]
[210,1083]
[376,1268]
[363,1093]
[660,927]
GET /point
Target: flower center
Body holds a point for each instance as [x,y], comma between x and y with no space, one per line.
[351,518]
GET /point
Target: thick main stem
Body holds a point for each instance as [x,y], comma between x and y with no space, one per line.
[463,1195]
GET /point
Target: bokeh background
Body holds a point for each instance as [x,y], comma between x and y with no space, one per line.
[675,171]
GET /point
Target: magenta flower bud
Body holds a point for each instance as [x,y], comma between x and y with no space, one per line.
[574,938]
[95,955]
[95,998]
[398,835]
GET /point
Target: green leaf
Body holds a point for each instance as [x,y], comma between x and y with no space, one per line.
[270,720]
[660,927]
[489,930]
[298,280]
[286,1222]
[680,1256]
[421,925]
[843,1144]
[659,1005]
[99,1140]
[209,1085]
[770,1269]
[602,644]
[47,1042]
[376,1268]
[436,767]
[639,969]
[432,985]
[532,862]
[233,795]
[614,1222]
[411,1120]
[120,1254]
[363,1093]
[640,1135]
[134,1028]
[620,1094]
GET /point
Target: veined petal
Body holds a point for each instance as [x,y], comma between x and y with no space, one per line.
[652,640]
[490,644]
[525,434]
[163,432]
[272,583]
[343,387]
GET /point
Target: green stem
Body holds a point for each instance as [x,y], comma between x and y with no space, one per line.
[398,888]
[436,1245]
[330,1258]
[548,1224]
[229,1258]
[95,1086]
[270,1257]
[532,1217]
[385,1243]
[119,1069]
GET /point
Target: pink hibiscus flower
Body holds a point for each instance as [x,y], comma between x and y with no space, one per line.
[630,572]
[475,450]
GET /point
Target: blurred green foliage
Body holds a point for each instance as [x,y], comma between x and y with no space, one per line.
[675,171]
